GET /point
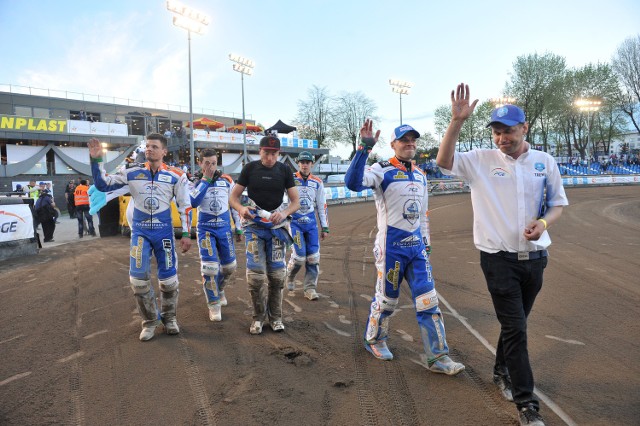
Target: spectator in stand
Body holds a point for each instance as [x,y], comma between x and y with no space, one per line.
[167,133]
[83,115]
[81,197]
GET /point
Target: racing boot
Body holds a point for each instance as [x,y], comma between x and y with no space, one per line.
[311,294]
[379,350]
[446,365]
[215,312]
[223,298]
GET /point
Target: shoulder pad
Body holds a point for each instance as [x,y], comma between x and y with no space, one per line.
[384,163]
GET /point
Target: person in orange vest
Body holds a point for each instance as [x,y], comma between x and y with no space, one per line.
[81,198]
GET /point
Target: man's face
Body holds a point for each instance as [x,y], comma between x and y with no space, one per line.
[510,140]
[207,162]
[405,147]
[154,150]
[268,157]
[305,167]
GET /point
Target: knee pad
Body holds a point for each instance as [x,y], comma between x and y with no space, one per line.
[296,260]
[210,269]
[140,286]
[384,303]
[313,259]
[255,279]
[427,301]
[277,274]
[169,284]
[229,268]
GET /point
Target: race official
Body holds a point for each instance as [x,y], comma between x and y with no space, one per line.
[516,193]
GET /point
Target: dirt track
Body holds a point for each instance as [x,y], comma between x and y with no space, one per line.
[68,335]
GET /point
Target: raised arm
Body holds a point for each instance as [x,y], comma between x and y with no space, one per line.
[460,111]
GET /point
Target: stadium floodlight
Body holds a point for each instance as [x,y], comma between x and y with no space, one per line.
[402,88]
[245,67]
[589,106]
[502,101]
[194,22]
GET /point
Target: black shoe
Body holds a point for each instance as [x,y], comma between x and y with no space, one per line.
[504,384]
[80,235]
[49,241]
[93,234]
[529,416]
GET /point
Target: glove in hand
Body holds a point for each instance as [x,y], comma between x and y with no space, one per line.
[97,199]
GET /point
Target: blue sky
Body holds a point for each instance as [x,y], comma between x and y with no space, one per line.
[130,49]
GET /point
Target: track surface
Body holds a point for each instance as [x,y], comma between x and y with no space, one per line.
[70,353]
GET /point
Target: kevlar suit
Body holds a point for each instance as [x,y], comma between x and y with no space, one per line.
[304,229]
[400,249]
[151,231]
[215,236]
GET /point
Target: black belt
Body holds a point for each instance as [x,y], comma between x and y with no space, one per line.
[522,255]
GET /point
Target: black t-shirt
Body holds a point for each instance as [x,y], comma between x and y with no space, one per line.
[266,186]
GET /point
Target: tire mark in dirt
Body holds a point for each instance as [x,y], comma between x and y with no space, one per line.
[363,386]
[405,412]
[203,406]
[76,409]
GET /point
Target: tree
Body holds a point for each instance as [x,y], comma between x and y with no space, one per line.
[534,83]
[314,116]
[594,82]
[351,109]
[626,64]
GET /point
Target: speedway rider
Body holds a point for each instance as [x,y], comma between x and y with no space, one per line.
[210,194]
[402,245]
[153,185]
[304,228]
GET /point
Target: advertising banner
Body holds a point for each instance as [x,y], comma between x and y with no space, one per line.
[16,222]
[31,124]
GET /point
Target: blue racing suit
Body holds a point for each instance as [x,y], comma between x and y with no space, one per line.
[151,231]
[215,237]
[304,229]
[400,248]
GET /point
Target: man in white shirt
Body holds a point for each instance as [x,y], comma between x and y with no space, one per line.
[516,193]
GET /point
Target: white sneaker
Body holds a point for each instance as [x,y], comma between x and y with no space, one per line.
[277,325]
[256,327]
[215,312]
[291,285]
[171,326]
[147,333]
[311,294]
[223,299]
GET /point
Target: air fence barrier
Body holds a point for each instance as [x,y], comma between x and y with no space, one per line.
[17,233]
[342,195]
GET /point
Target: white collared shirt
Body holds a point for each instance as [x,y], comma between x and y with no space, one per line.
[506,194]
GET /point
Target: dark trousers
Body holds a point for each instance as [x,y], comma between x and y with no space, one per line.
[48,227]
[513,286]
[83,210]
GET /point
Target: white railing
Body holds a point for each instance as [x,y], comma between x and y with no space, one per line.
[78,96]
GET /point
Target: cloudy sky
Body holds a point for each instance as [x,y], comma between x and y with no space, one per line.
[130,49]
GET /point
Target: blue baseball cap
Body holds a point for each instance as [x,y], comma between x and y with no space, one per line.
[400,131]
[509,115]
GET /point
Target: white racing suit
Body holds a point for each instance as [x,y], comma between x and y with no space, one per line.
[151,231]
[304,229]
[400,249]
[215,237]
[266,247]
